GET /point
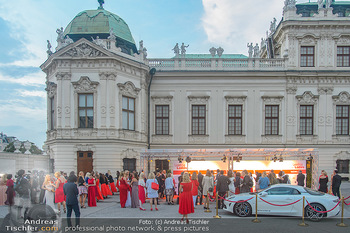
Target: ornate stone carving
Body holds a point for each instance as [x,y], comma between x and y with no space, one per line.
[84,147]
[272,99]
[198,99]
[108,76]
[111,109]
[235,99]
[342,40]
[198,139]
[129,153]
[341,139]
[307,139]
[329,120]
[63,76]
[291,90]
[325,90]
[342,98]
[291,120]
[85,85]
[85,132]
[307,98]
[67,109]
[51,89]
[162,99]
[342,155]
[84,50]
[128,89]
[162,139]
[271,139]
[307,40]
[103,110]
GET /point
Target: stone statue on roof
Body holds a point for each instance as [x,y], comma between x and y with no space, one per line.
[176,49]
[262,43]
[220,51]
[111,36]
[141,46]
[99,42]
[101,3]
[60,38]
[328,3]
[68,40]
[250,49]
[273,25]
[183,48]
[256,50]
[49,52]
[212,51]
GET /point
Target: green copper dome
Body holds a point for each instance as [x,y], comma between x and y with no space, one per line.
[92,23]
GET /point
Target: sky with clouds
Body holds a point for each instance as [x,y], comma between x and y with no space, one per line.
[25,25]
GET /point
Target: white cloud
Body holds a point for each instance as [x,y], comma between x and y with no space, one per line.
[26,93]
[232,24]
[33,79]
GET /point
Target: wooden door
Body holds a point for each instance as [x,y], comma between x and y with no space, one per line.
[84,161]
[162,165]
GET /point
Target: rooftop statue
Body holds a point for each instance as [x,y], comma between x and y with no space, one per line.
[111,35]
[60,38]
[212,51]
[320,4]
[262,43]
[144,51]
[183,48]
[328,4]
[256,50]
[68,40]
[220,51]
[49,52]
[98,41]
[141,46]
[273,25]
[176,49]
[250,49]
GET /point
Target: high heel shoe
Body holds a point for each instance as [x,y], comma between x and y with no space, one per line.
[151,209]
[142,209]
[182,219]
[156,209]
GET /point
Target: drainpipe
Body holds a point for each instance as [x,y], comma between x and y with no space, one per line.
[151,72]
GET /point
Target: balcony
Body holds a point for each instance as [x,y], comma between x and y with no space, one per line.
[218,64]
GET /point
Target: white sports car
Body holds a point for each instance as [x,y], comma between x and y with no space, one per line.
[277,200]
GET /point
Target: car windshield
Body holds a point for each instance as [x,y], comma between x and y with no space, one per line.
[313,192]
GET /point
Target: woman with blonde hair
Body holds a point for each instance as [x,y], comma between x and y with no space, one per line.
[195,185]
[82,188]
[3,189]
[208,186]
[49,188]
[59,194]
[152,193]
[264,181]
[186,200]
[123,189]
[142,193]
[323,182]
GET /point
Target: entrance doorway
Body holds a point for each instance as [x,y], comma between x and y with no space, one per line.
[162,164]
[84,161]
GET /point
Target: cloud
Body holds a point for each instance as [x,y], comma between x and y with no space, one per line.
[33,79]
[232,24]
[26,93]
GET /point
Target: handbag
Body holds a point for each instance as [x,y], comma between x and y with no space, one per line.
[154,185]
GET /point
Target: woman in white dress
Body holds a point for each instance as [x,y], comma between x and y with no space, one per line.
[231,186]
[128,199]
[49,188]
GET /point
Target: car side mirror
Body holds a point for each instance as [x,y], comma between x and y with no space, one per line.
[263,194]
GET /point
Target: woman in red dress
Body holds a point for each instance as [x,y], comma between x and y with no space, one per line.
[111,182]
[91,191]
[123,189]
[186,201]
[98,193]
[195,185]
[104,186]
[59,194]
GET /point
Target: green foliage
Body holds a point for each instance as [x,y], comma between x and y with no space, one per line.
[33,149]
[10,148]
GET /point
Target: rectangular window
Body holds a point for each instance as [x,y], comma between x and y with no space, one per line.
[198,119]
[128,113]
[306,119]
[86,110]
[235,119]
[343,56]
[52,113]
[162,119]
[342,120]
[307,56]
[271,119]
[343,166]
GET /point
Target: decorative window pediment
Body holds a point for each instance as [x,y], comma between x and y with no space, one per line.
[235,99]
[198,99]
[129,153]
[342,98]
[51,89]
[307,98]
[272,99]
[129,89]
[342,40]
[308,39]
[85,85]
[162,99]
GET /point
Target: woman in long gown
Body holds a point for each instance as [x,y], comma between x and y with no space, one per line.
[10,201]
[3,189]
[59,194]
[98,190]
[104,187]
[323,181]
[111,182]
[186,201]
[123,189]
[49,188]
[135,191]
[142,193]
[128,195]
[91,191]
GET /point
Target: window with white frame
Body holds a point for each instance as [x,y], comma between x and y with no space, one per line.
[128,113]
[271,119]
[198,119]
[306,119]
[235,119]
[342,119]
[162,119]
[86,110]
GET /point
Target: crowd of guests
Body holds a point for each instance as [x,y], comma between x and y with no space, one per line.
[68,192]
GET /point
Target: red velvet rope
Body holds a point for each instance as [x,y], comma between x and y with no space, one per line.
[280,205]
[346,198]
[346,203]
[236,201]
[322,211]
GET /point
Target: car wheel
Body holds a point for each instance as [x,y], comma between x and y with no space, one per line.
[242,209]
[313,215]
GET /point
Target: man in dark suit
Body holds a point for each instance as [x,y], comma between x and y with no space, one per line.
[222,187]
[200,188]
[336,182]
[301,178]
[71,191]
